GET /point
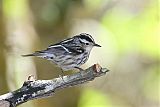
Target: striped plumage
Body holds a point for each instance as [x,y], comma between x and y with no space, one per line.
[69,53]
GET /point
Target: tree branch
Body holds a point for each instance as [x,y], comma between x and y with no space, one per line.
[33,89]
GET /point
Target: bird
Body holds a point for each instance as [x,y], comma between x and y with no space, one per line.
[69,53]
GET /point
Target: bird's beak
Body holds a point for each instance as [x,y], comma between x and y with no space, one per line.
[97,45]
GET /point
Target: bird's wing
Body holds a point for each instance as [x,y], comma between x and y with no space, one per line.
[65,49]
[57,50]
[67,46]
[75,49]
[65,41]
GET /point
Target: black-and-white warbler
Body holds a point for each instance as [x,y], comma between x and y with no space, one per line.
[70,53]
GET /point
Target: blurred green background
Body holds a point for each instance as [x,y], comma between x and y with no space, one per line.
[127,30]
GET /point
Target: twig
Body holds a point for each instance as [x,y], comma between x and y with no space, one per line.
[33,89]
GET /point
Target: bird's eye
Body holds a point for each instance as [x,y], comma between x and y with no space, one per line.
[87,43]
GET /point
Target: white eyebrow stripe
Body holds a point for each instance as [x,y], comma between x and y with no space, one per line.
[62,47]
[84,40]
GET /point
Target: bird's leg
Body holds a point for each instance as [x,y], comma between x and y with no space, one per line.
[62,75]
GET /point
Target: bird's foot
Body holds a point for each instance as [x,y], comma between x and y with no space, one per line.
[80,69]
[61,76]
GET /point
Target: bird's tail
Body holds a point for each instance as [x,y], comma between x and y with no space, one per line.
[28,55]
[37,53]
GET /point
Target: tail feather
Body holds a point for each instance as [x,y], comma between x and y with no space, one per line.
[28,55]
[37,53]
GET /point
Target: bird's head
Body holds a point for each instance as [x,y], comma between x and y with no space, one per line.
[86,41]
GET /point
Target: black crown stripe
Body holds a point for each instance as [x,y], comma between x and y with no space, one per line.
[86,37]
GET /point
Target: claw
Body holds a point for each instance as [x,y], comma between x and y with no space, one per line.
[80,69]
